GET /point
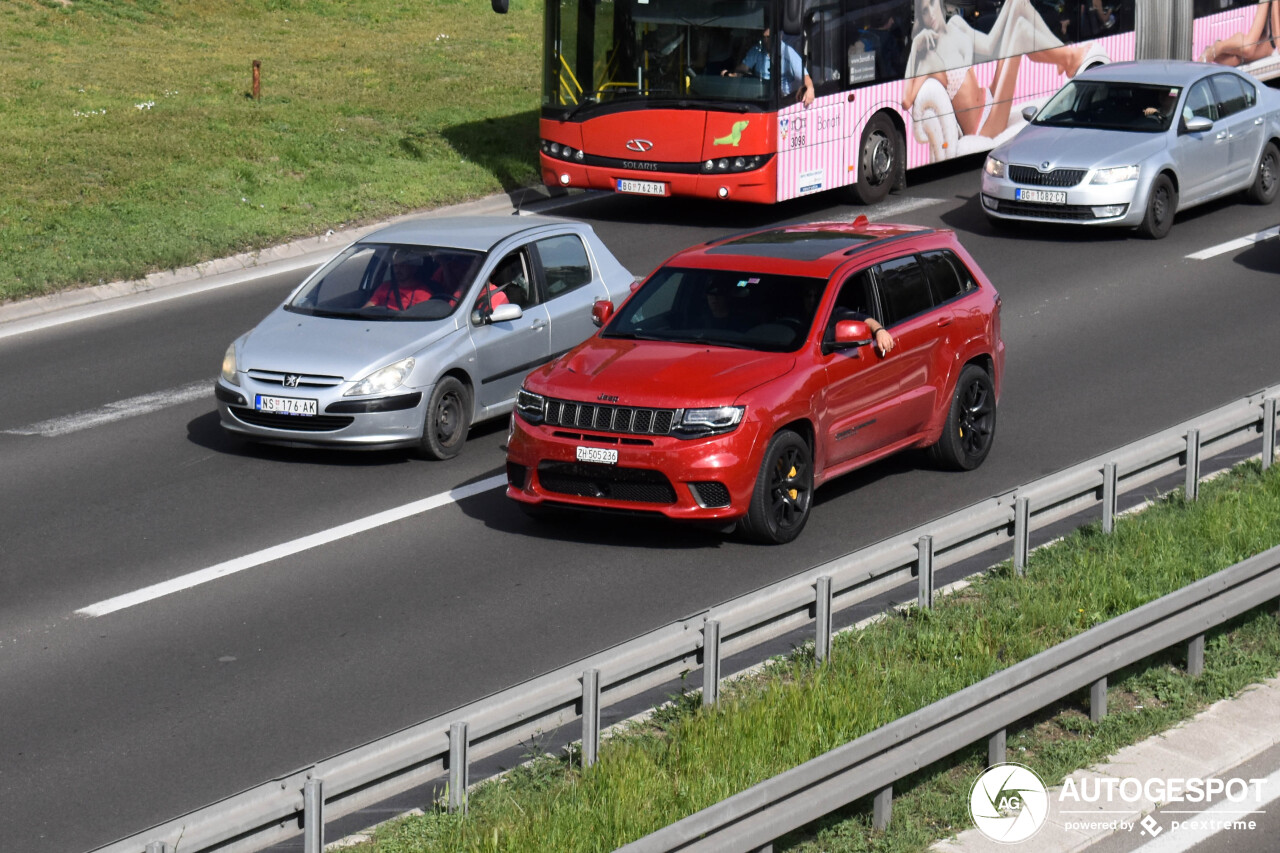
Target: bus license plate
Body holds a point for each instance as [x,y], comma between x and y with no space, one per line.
[1041,196]
[285,405]
[603,455]
[642,187]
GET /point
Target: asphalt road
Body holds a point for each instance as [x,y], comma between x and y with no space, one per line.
[114,476]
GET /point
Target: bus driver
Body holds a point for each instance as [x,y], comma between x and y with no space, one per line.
[758,63]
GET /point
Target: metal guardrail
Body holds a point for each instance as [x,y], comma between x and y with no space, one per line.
[752,819]
[302,801]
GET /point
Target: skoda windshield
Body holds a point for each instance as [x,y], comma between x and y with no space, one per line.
[1107,105]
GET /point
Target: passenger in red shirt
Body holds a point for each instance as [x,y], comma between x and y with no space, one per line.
[404,286]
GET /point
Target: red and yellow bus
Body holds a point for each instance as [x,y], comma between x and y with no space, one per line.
[680,98]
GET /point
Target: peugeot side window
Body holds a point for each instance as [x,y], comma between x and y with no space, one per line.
[565,264]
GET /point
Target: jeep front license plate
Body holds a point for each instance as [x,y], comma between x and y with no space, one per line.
[284,405]
[605,455]
[641,187]
[1041,196]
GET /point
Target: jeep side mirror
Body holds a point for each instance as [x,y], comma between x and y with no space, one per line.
[601,312]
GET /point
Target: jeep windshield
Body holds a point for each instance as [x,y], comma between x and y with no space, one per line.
[747,310]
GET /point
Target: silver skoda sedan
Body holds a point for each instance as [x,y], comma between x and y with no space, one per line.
[418,330]
[1132,143]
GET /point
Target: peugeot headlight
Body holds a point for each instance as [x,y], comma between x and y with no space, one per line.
[1115,176]
[695,423]
[530,406]
[383,380]
[994,167]
[229,370]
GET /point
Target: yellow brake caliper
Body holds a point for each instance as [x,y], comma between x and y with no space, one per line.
[795,493]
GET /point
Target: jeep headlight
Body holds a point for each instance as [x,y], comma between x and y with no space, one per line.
[530,406]
[1117,175]
[383,379]
[695,423]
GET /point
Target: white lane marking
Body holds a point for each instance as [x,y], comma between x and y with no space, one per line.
[1233,245]
[118,410]
[1202,830]
[287,549]
[887,210]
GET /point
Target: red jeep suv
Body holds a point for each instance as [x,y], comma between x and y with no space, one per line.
[742,374]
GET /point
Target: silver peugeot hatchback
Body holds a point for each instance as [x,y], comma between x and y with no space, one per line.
[418,330]
[1133,143]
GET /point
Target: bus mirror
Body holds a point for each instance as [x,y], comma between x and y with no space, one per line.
[501,6]
[793,17]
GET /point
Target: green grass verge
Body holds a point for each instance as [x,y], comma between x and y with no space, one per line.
[686,758]
[129,141]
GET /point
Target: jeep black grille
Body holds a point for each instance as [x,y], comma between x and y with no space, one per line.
[610,418]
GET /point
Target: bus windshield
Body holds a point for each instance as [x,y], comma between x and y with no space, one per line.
[665,53]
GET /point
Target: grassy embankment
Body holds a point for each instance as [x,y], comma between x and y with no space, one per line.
[129,141]
[687,757]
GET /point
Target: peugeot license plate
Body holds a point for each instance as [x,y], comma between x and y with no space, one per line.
[604,455]
[1041,196]
[285,405]
[641,187]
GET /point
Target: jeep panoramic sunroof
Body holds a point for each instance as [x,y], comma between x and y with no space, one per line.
[792,245]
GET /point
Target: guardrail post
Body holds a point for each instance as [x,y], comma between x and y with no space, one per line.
[822,612]
[1195,655]
[459,771]
[157,847]
[1268,432]
[590,716]
[1110,479]
[924,560]
[1021,534]
[710,662]
[1098,700]
[996,748]
[882,808]
[1192,489]
[313,816]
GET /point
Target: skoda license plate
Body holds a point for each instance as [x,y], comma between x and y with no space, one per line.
[284,405]
[641,187]
[604,455]
[1041,196]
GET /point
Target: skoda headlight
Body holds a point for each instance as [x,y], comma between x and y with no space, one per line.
[1115,176]
[229,365]
[383,380]
[695,423]
[994,167]
[530,406]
